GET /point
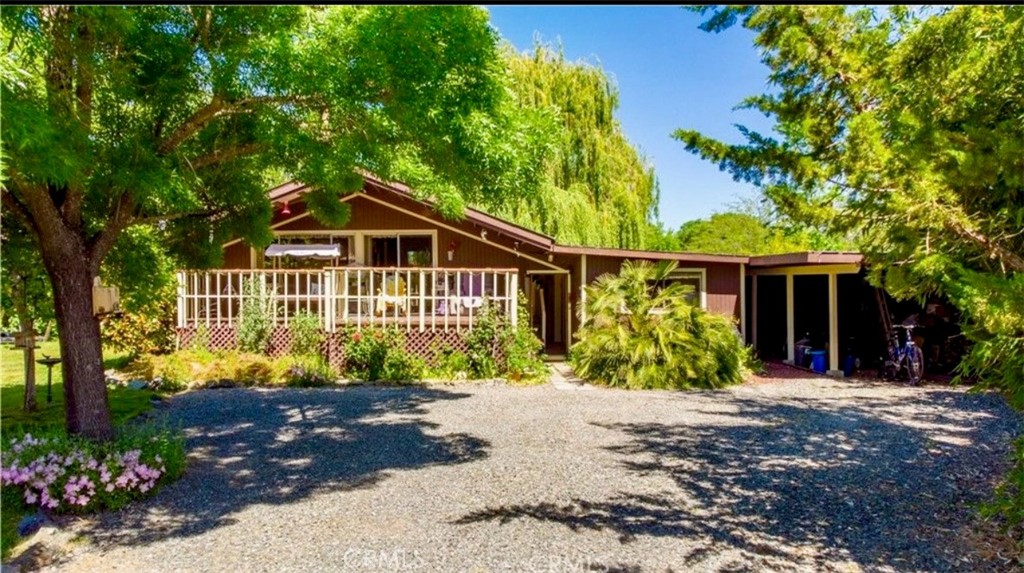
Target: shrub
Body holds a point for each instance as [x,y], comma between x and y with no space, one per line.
[400,366]
[200,339]
[309,372]
[307,336]
[379,354]
[147,330]
[198,368]
[637,335]
[497,348]
[483,341]
[255,369]
[1007,506]
[66,474]
[450,363]
[256,320]
[522,351]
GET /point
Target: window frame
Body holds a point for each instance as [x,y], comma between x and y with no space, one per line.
[701,274]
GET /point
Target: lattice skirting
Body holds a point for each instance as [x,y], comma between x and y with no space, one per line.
[425,344]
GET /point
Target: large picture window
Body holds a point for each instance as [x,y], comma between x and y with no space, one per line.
[401,251]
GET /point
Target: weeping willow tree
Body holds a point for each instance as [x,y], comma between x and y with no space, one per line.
[597,189]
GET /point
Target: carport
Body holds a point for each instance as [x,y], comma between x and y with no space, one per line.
[798,295]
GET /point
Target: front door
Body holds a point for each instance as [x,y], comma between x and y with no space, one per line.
[548,311]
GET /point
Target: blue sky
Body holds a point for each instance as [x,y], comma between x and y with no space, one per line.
[670,75]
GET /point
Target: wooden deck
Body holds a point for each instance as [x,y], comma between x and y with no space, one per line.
[410,298]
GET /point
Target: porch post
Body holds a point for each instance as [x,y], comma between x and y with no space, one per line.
[790,327]
[743,302]
[833,325]
[753,310]
[583,289]
[329,292]
[423,300]
[513,292]
[181,299]
[568,312]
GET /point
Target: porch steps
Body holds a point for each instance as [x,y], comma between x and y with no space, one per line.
[563,378]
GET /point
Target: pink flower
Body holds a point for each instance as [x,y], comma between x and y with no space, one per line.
[30,498]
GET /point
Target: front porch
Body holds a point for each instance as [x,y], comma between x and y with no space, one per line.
[414,299]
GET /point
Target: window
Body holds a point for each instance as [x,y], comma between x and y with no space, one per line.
[693,278]
[401,251]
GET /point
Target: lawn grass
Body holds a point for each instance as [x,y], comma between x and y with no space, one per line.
[125,403]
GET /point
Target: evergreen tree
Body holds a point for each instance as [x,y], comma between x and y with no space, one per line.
[907,130]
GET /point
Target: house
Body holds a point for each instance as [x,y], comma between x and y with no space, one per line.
[399,263]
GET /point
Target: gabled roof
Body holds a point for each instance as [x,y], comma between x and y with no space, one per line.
[292,190]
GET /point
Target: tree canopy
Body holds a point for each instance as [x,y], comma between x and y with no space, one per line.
[906,129]
[735,234]
[597,189]
[116,117]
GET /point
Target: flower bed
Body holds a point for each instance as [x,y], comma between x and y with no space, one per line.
[63,474]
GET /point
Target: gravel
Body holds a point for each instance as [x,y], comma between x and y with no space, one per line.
[797,474]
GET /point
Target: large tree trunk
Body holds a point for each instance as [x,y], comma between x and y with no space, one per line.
[85,389]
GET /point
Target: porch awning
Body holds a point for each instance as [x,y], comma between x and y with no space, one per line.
[308,251]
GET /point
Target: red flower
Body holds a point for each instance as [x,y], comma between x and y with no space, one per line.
[356,336]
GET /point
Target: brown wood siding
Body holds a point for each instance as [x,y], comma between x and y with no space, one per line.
[724,288]
[597,266]
[723,281]
[237,256]
[368,215]
[365,216]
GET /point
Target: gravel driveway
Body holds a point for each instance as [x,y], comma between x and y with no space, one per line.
[797,475]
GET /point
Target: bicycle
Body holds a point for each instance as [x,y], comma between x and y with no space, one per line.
[905,358]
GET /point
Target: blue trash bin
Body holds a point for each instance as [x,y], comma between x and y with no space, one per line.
[818,361]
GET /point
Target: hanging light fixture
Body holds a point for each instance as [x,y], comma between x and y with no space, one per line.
[286,210]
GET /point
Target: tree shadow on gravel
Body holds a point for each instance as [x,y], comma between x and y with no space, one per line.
[810,484]
[249,447]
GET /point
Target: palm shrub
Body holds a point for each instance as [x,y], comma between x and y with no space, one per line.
[639,331]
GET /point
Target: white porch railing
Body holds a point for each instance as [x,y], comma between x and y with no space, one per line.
[411,298]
